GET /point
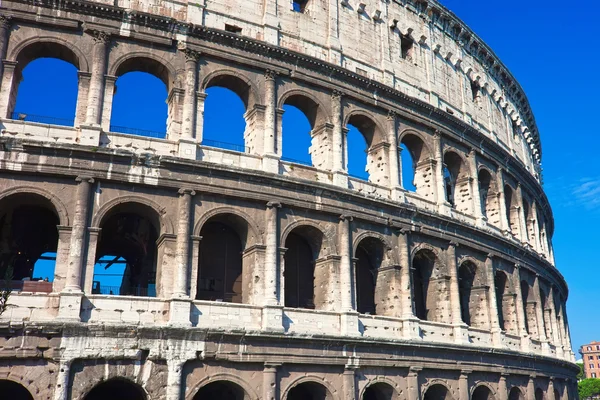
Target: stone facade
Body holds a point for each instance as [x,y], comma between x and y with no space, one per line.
[253,277]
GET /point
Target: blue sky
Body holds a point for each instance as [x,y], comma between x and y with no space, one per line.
[548,46]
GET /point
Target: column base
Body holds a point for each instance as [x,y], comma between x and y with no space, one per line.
[397,194]
[187,148]
[461,334]
[445,208]
[69,309]
[497,338]
[340,178]
[411,329]
[89,135]
[270,163]
[349,324]
[525,343]
[179,312]
[546,348]
[272,318]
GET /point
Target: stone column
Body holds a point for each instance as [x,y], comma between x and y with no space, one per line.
[189,97]
[523,223]
[410,323]
[200,99]
[463,384]
[5,23]
[477,211]
[539,310]
[272,240]
[531,388]
[395,185]
[414,389]
[520,309]
[96,91]
[349,384]
[109,94]
[443,205]
[502,393]
[340,175]
[61,391]
[493,302]
[174,373]
[460,330]
[6,87]
[75,264]
[504,225]
[270,382]
[536,229]
[182,255]
[88,279]
[346,273]
[270,158]
[550,394]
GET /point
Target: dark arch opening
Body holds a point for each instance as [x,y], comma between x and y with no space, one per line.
[557,394]
[416,168]
[424,293]
[485,185]
[482,393]
[452,171]
[539,394]
[300,268]
[516,394]
[511,210]
[221,390]
[221,260]
[45,86]
[224,118]
[525,299]
[379,391]
[369,257]
[127,251]
[14,391]
[500,283]
[116,389]
[308,391]
[437,392]
[466,278]
[28,231]
[298,121]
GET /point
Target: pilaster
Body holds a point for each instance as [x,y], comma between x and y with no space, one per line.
[460,328]
[339,168]
[95,100]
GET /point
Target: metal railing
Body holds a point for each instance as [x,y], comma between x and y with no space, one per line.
[296,161]
[138,132]
[118,291]
[226,146]
[42,119]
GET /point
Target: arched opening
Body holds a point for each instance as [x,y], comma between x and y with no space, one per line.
[116,389]
[501,287]
[528,308]
[456,181]
[364,156]
[512,211]
[126,257]
[417,171]
[437,392]
[430,287]
[222,258]
[489,197]
[298,121]
[227,119]
[14,391]
[369,257]
[539,394]
[299,273]
[466,279]
[482,393]
[28,242]
[308,391]
[557,395]
[379,391]
[144,82]
[516,394]
[221,390]
[526,214]
[546,314]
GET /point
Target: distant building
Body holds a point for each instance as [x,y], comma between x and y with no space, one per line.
[590,354]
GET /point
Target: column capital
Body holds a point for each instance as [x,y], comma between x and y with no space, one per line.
[414,370]
[273,204]
[392,115]
[94,230]
[64,228]
[5,21]
[99,37]
[270,75]
[84,178]
[453,243]
[271,367]
[504,375]
[490,256]
[337,94]
[183,191]
[348,218]
[191,55]
[437,134]
[464,374]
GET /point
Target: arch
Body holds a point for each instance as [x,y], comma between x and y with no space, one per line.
[165,226]
[429,284]
[410,135]
[367,125]
[381,380]
[14,390]
[32,48]
[511,207]
[375,235]
[421,170]
[369,253]
[329,392]
[466,281]
[456,180]
[330,247]
[539,394]
[117,389]
[379,390]
[59,206]
[306,102]
[235,81]
[488,194]
[516,394]
[482,392]
[254,236]
[144,61]
[437,390]
[224,377]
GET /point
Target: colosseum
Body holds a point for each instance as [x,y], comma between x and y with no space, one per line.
[249,276]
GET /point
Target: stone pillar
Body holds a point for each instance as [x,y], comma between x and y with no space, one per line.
[270,158]
[477,211]
[189,97]
[493,302]
[460,330]
[182,252]
[522,221]
[200,99]
[5,23]
[520,309]
[531,388]
[270,382]
[536,229]
[394,161]
[174,373]
[443,205]
[550,394]
[413,387]
[61,391]
[349,382]
[75,264]
[539,310]
[502,393]
[346,273]
[504,224]
[109,94]
[340,174]
[96,91]
[271,239]
[410,324]
[88,279]
[6,87]
[463,385]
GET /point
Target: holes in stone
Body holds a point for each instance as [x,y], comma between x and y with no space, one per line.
[233,28]
[406,47]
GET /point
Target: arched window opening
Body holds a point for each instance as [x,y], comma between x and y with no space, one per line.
[364,156]
[409,168]
[299,271]
[526,214]
[298,121]
[512,211]
[466,279]
[406,47]
[308,391]
[379,391]
[482,393]
[369,256]
[148,91]
[475,91]
[449,185]
[14,391]
[557,395]
[357,153]
[456,181]
[528,309]
[516,394]
[126,257]
[116,389]
[539,394]
[222,259]
[221,390]
[228,118]
[488,196]
[501,287]
[299,5]
[429,287]
[417,170]
[28,242]
[46,92]
[437,392]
